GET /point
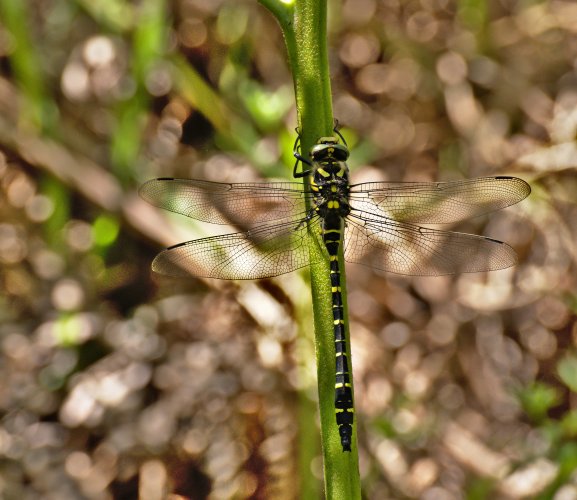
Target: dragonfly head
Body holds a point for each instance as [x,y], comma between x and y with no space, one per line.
[328,149]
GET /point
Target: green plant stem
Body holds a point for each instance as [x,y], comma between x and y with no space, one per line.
[304,29]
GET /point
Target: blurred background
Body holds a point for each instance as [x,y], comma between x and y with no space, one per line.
[120,384]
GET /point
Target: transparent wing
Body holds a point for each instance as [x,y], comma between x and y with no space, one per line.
[437,202]
[409,249]
[221,203]
[261,253]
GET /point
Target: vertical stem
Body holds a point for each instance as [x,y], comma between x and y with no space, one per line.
[305,31]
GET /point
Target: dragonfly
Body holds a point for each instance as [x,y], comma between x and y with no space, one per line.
[378,224]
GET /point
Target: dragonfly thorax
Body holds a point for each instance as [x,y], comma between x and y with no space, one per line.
[330,184]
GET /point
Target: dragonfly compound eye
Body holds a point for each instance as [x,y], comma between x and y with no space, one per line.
[329,151]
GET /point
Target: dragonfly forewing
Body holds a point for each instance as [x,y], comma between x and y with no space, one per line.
[438,202]
[244,204]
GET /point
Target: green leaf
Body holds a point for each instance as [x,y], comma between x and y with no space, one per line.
[150,39]
[569,423]
[37,109]
[267,108]
[105,230]
[116,15]
[567,458]
[567,370]
[538,399]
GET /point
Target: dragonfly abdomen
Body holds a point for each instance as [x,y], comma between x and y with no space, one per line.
[344,409]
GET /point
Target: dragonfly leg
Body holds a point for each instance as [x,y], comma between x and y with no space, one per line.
[336,131]
[309,216]
[300,158]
